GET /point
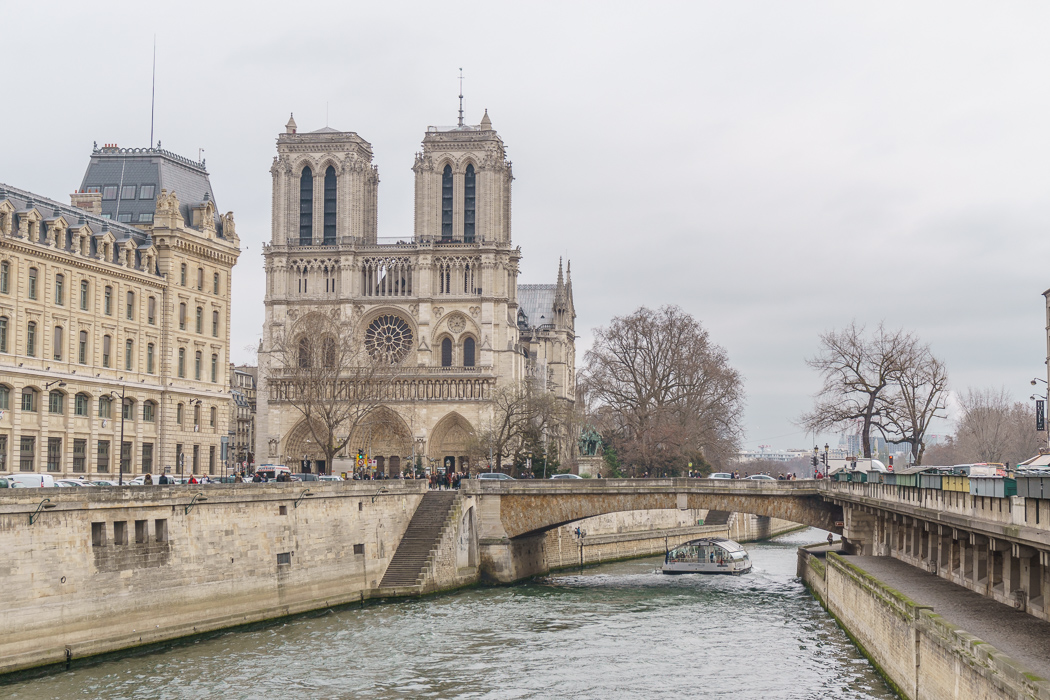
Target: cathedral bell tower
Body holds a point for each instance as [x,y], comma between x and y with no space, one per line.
[463,185]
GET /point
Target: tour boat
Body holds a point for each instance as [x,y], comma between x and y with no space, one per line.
[710,555]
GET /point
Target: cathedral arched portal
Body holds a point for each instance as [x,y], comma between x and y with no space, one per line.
[302,451]
[449,446]
[384,436]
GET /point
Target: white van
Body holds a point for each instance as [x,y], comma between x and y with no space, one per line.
[32,481]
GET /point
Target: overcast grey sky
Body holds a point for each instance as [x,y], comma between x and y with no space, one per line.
[775,168]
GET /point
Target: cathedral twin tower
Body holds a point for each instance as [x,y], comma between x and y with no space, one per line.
[443,302]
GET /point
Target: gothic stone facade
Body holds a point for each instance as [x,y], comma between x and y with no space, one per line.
[98,300]
[448,293]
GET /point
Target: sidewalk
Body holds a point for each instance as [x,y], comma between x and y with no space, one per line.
[1024,638]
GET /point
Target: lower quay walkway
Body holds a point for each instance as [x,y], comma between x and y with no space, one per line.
[1024,638]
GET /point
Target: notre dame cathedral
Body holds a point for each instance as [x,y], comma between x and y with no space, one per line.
[445,300]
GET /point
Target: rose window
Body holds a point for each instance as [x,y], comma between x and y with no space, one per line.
[389,337]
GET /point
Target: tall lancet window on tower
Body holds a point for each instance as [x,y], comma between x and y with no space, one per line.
[446,204]
[329,206]
[468,205]
[306,207]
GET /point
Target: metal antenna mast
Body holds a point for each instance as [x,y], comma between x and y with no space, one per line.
[153,93]
[461,97]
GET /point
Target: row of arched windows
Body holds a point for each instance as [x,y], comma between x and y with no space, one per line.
[469,204]
[56,404]
[306,207]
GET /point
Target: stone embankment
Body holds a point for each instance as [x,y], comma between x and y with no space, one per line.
[918,629]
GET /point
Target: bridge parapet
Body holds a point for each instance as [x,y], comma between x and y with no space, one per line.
[798,487]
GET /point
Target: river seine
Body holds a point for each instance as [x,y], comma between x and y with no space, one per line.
[615,631]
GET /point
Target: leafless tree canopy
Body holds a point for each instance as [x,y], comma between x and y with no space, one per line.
[888,382]
[521,414]
[664,393]
[991,428]
[322,369]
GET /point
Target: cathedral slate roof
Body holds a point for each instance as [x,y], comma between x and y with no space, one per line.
[536,302]
[122,167]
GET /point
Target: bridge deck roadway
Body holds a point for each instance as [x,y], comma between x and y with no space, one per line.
[1017,634]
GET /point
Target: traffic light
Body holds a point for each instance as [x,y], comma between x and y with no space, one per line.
[814,460]
[891,462]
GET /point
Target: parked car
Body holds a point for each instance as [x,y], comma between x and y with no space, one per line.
[4,483]
[721,475]
[329,477]
[104,482]
[74,482]
[566,476]
[495,476]
[760,477]
[32,480]
[306,477]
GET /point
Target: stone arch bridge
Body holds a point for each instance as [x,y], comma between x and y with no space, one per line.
[515,515]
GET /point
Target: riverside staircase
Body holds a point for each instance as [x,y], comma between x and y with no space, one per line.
[417,549]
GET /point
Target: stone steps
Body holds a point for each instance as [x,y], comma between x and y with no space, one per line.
[408,566]
[718,517]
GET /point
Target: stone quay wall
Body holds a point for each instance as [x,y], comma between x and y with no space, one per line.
[111,568]
[643,533]
[919,653]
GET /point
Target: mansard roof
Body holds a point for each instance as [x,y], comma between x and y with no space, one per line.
[119,167]
[50,210]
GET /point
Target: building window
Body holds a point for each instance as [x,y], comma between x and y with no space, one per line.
[79,455]
[124,218]
[182,274]
[468,352]
[200,320]
[129,347]
[106,342]
[145,218]
[82,350]
[60,290]
[57,344]
[306,207]
[214,369]
[149,358]
[5,398]
[212,413]
[5,277]
[182,316]
[215,283]
[80,405]
[102,465]
[469,199]
[329,206]
[196,459]
[211,459]
[182,362]
[32,283]
[151,311]
[128,410]
[56,402]
[3,333]
[31,339]
[125,457]
[27,454]
[130,311]
[107,301]
[147,457]
[446,352]
[215,323]
[149,412]
[197,417]
[146,192]
[178,414]
[54,454]
[197,365]
[446,203]
[29,399]
[105,407]
[127,192]
[180,458]
[304,352]
[109,193]
[83,295]
[200,278]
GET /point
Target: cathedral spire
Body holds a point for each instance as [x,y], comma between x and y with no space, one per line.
[559,290]
[290,126]
[461,97]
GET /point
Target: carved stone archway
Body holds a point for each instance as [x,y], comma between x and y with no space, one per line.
[300,444]
[449,443]
[385,437]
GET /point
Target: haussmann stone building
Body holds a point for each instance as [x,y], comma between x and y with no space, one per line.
[125,291]
[447,295]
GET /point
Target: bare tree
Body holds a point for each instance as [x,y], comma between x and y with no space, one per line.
[521,413]
[665,393]
[919,396]
[862,377]
[323,370]
[995,428]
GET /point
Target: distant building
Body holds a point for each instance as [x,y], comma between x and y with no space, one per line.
[242,423]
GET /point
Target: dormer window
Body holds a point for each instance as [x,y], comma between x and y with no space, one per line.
[146,192]
[109,193]
[127,192]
